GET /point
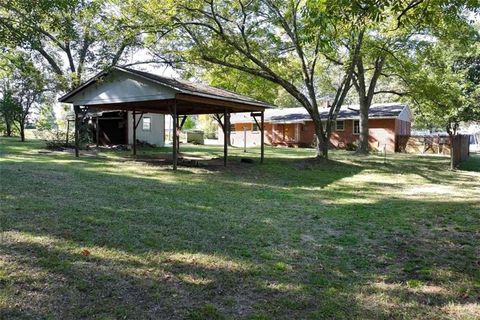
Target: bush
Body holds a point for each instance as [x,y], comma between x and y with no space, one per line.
[351,146]
[55,139]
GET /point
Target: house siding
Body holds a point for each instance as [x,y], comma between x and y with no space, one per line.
[156,134]
[382,132]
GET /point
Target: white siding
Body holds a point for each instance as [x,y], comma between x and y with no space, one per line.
[156,133]
[119,87]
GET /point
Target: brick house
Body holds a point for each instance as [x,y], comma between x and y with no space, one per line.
[293,127]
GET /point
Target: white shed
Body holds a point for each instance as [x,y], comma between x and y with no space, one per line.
[151,129]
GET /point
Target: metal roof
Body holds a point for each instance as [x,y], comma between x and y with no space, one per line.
[194,88]
[299,115]
[178,85]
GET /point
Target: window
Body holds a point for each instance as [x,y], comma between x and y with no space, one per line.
[146,123]
[254,127]
[356,127]
[339,125]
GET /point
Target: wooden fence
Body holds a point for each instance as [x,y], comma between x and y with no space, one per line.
[435,145]
[423,144]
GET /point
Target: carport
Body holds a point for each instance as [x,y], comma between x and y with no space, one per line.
[141,92]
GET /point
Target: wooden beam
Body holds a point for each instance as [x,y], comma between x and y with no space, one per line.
[175,137]
[262,137]
[225,136]
[185,106]
[110,118]
[139,119]
[76,109]
[68,129]
[218,118]
[238,106]
[254,115]
[183,121]
[134,133]
[97,131]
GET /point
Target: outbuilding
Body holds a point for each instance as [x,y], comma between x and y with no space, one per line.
[140,99]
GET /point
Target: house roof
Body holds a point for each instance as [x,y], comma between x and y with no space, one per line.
[298,115]
[177,89]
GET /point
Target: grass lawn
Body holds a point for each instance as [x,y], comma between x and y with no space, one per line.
[352,238]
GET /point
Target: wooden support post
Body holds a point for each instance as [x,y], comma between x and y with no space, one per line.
[244,139]
[175,136]
[226,127]
[68,130]
[76,109]
[134,134]
[262,137]
[183,121]
[97,131]
[262,131]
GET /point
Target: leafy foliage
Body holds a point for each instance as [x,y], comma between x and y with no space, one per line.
[46,119]
[25,88]
[442,81]
[70,36]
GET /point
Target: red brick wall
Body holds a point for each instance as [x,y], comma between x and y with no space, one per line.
[307,134]
[381,132]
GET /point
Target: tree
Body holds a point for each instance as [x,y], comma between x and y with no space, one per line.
[394,32]
[69,35]
[190,123]
[209,125]
[9,110]
[233,80]
[288,43]
[46,118]
[27,85]
[280,42]
[443,81]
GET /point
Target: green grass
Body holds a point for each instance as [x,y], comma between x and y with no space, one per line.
[352,238]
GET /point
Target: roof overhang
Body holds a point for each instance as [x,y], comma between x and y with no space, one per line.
[123,89]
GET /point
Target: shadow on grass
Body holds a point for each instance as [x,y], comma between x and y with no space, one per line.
[472,163]
[269,241]
[270,274]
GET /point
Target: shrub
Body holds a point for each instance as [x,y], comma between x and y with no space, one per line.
[55,139]
[351,146]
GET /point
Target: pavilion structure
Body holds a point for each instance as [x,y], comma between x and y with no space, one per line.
[140,92]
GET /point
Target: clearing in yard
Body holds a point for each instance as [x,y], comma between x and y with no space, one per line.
[100,237]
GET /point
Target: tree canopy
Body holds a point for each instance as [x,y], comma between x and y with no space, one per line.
[69,36]
[443,82]
[313,50]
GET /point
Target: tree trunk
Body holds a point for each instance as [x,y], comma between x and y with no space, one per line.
[322,142]
[363,145]
[22,131]
[322,149]
[365,95]
[8,128]
[452,151]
